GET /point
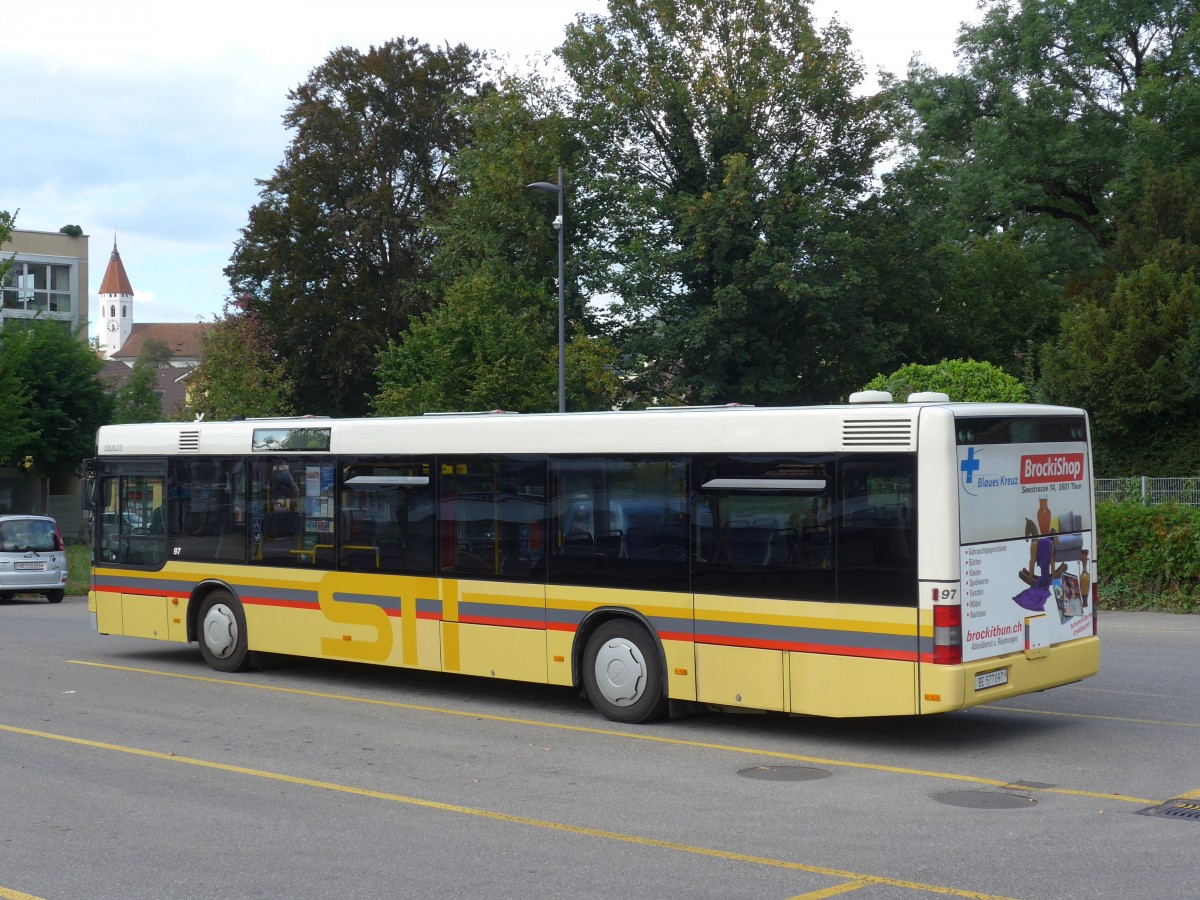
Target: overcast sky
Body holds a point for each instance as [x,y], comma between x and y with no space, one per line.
[152,120]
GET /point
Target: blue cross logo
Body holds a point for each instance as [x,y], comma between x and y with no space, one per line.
[969,466]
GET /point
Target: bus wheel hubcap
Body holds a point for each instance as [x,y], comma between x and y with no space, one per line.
[620,672]
[220,631]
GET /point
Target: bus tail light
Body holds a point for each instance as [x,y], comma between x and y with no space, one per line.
[947,635]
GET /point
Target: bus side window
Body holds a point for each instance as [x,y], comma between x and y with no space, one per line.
[876,537]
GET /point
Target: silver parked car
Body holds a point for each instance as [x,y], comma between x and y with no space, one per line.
[32,558]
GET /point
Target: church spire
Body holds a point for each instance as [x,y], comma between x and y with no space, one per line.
[115,280]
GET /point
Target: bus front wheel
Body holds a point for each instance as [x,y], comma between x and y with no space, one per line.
[622,674]
[223,633]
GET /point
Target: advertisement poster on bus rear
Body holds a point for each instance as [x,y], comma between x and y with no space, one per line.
[1028,551]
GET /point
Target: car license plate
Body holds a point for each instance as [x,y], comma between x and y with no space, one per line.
[991,679]
[31,566]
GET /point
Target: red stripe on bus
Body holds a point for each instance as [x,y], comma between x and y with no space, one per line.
[676,636]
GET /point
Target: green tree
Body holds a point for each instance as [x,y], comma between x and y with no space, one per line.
[16,429]
[1129,352]
[66,400]
[492,343]
[963,380]
[239,373]
[136,400]
[726,154]
[156,353]
[939,293]
[335,257]
[1056,109]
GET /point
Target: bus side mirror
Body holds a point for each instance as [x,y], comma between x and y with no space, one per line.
[87,499]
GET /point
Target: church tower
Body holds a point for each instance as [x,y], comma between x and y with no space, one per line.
[116,305]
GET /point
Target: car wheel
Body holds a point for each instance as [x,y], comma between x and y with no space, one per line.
[55,596]
[622,675]
[222,627]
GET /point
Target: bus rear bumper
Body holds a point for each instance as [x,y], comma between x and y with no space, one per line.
[947,688]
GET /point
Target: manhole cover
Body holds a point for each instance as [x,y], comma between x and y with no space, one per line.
[984,800]
[784,773]
[1176,809]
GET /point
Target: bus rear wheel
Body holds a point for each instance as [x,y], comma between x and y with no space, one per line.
[222,627]
[622,674]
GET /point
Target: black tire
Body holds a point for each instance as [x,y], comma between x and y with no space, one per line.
[55,596]
[6,595]
[623,674]
[221,629]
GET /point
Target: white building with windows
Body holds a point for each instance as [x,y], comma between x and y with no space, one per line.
[48,278]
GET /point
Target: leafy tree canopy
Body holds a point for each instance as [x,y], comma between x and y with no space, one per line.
[1129,353]
[725,151]
[963,380]
[1057,107]
[335,257]
[65,402]
[136,400]
[493,341]
[156,353]
[239,373]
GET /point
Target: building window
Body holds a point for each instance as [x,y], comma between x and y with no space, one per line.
[39,286]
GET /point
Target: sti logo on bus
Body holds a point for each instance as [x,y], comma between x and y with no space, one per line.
[1044,468]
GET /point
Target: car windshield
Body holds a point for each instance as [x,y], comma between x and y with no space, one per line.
[27,534]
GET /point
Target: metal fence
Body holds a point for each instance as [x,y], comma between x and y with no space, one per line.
[1150,490]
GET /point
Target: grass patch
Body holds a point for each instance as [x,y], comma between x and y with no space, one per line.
[79,571]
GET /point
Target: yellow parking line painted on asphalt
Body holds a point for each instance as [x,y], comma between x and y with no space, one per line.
[837,890]
[7,894]
[630,735]
[508,817]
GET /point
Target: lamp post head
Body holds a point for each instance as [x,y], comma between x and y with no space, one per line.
[544,186]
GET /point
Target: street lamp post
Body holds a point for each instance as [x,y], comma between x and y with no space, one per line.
[547,187]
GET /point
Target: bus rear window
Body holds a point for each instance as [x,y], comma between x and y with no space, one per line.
[1020,430]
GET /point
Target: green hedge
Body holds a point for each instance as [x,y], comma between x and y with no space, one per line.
[1148,556]
[79,573]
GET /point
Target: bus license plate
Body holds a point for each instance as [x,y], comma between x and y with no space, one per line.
[991,679]
[38,567]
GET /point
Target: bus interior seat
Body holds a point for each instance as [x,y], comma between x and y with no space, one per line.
[578,543]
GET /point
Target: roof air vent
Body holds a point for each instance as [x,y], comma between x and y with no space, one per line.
[928,397]
[878,434]
[189,442]
[871,397]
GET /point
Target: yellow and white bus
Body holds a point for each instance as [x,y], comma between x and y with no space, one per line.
[870,559]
